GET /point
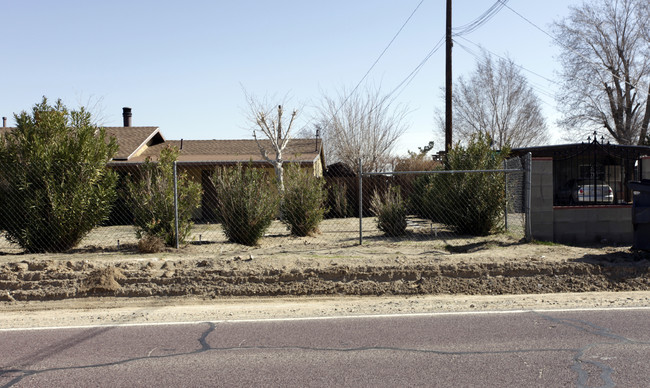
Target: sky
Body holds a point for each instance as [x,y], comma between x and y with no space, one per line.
[184,65]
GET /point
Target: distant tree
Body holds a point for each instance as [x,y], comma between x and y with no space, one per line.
[606,69]
[360,125]
[416,161]
[496,100]
[275,128]
[55,187]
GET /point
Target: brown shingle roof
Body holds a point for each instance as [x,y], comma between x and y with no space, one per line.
[4,130]
[222,151]
[130,139]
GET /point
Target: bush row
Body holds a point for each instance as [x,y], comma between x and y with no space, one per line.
[50,208]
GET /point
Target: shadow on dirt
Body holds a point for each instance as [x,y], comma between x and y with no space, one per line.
[637,258]
[480,246]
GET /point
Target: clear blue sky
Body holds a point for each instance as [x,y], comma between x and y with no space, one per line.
[181,65]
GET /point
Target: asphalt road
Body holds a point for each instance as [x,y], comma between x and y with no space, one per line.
[586,348]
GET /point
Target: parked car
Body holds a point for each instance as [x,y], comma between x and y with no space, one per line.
[577,191]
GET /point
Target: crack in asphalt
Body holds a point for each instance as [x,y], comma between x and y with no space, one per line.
[205,347]
[578,353]
[579,359]
[27,373]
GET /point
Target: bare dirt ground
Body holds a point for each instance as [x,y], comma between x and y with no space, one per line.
[288,276]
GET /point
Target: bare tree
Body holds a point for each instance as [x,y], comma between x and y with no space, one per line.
[497,100]
[606,69]
[275,129]
[362,125]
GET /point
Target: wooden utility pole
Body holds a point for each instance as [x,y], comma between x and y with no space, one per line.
[448,111]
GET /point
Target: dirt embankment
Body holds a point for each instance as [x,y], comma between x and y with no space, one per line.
[507,268]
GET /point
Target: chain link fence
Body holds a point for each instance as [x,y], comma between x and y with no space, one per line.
[53,208]
[444,204]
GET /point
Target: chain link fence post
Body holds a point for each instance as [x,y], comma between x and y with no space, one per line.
[505,191]
[527,191]
[360,203]
[176,202]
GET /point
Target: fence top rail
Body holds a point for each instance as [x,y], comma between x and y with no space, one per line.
[441,172]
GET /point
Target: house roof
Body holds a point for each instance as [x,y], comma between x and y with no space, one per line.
[234,151]
[132,139]
[138,143]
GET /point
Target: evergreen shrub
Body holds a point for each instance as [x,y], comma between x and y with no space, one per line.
[247,203]
[54,183]
[302,205]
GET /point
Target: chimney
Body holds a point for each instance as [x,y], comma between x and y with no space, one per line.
[126,114]
[4,122]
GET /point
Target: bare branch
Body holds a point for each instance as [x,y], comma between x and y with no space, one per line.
[260,114]
[497,100]
[361,125]
[607,41]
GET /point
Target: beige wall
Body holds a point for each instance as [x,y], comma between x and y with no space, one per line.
[541,194]
[593,224]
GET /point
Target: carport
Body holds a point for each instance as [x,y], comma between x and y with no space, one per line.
[558,217]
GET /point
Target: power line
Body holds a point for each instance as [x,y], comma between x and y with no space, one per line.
[466,29]
[499,56]
[538,88]
[463,30]
[481,20]
[587,60]
[377,60]
[409,78]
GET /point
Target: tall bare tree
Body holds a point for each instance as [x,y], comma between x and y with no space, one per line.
[496,100]
[276,129]
[361,124]
[606,69]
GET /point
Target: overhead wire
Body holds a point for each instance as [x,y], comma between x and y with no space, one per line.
[376,61]
[559,42]
[481,20]
[477,56]
[538,88]
[460,31]
[465,29]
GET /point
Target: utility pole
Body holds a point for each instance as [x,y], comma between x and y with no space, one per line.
[448,111]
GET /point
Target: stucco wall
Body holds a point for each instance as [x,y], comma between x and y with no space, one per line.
[541,210]
[592,224]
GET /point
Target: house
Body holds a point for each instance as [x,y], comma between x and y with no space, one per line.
[200,158]
[139,143]
[562,213]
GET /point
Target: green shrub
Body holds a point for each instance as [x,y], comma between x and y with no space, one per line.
[421,194]
[471,203]
[390,210]
[339,205]
[151,198]
[303,202]
[55,187]
[247,202]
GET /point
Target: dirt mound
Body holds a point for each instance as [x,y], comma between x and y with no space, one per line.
[373,270]
[101,281]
